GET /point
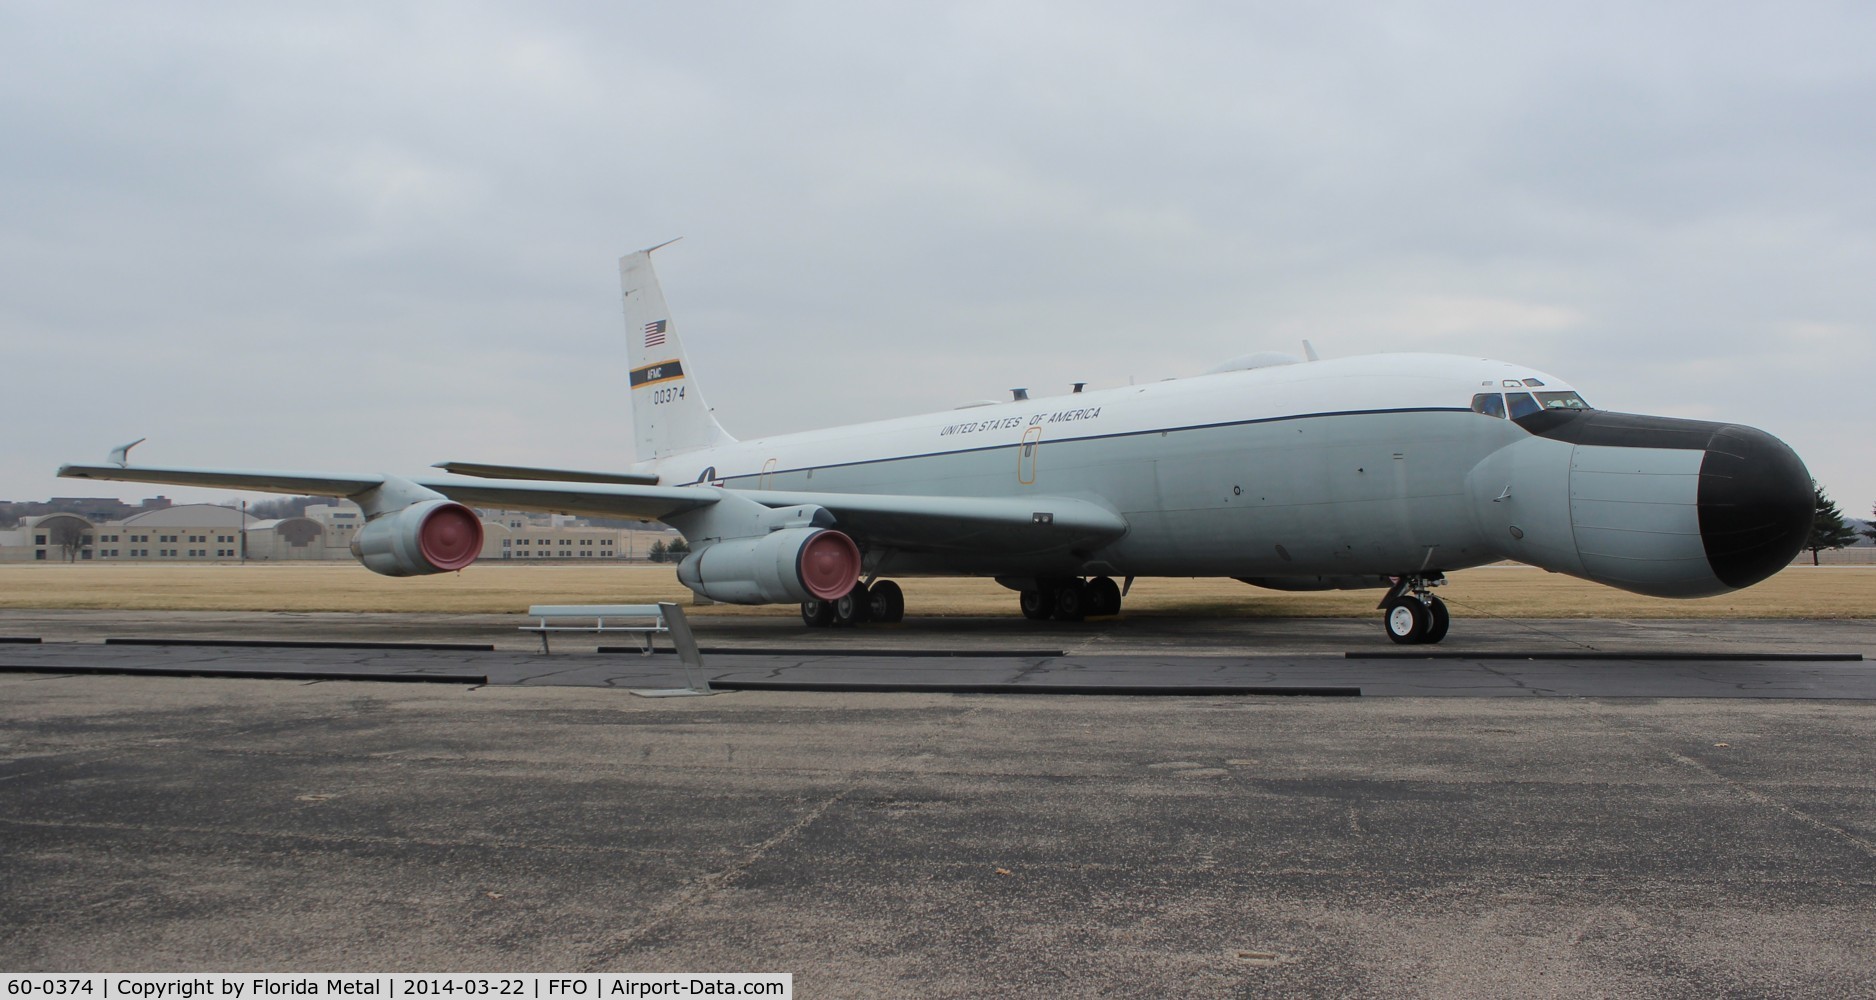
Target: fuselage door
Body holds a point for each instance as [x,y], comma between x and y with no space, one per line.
[762,481]
[1026,456]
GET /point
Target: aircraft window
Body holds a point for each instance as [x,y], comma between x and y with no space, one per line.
[1522,405]
[1533,382]
[1489,403]
[1512,383]
[1562,401]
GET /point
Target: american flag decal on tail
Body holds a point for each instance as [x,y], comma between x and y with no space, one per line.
[654,333]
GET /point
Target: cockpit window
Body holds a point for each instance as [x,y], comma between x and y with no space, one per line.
[1489,403]
[1562,401]
[1522,405]
[1534,381]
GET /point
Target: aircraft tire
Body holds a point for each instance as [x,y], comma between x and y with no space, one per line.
[1071,601]
[850,610]
[1103,597]
[888,602]
[1439,621]
[1038,605]
[1406,620]
[817,614]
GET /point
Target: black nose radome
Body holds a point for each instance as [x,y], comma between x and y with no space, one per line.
[1754,497]
[1756,505]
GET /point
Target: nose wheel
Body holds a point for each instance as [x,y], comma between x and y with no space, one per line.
[1411,614]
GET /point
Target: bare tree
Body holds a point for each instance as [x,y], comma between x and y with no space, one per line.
[69,534]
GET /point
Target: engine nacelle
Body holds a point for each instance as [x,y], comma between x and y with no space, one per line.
[781,567]
[431,536]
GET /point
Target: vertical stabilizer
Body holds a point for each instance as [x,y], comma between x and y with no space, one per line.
[669,415]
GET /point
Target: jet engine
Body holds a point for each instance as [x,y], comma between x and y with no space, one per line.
[782,567]
[431,536]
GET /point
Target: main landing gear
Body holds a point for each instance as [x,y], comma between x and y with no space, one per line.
[883,602]
[1410,612]
[1071,599]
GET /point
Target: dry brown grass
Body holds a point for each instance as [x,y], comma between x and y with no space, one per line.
[1512,591]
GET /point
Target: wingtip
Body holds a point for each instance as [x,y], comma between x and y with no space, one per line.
[120,455]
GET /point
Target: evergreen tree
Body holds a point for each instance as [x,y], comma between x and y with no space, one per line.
[677,550]
[1827,528]
[1870,532]
[656,553]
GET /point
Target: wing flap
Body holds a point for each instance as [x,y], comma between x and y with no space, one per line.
[644,503]
[484,470]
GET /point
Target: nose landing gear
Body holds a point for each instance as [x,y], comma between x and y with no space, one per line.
[1411,614]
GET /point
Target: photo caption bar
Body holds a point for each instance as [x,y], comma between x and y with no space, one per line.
[395,986]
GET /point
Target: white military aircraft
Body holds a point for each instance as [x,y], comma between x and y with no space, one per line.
[1384,471]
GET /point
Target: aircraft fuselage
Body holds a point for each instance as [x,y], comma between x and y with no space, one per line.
[1317,473]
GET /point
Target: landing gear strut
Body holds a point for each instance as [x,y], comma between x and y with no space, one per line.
[1071,599]
[1411,614]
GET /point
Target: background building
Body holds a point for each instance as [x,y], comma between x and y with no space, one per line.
[95,509]
[214,533]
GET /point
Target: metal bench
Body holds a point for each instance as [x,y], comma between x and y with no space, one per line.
[642,620]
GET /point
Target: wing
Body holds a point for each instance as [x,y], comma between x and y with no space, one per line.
[589,499]
[929,523]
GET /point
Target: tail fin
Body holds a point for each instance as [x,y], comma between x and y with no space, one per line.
[669,415]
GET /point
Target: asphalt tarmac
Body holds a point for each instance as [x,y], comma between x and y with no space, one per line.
[1142,634]
[1326,657]
[926,845]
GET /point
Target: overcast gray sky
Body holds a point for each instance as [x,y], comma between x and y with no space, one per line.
[368,237]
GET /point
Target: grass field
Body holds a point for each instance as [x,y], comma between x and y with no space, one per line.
[1511,591]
